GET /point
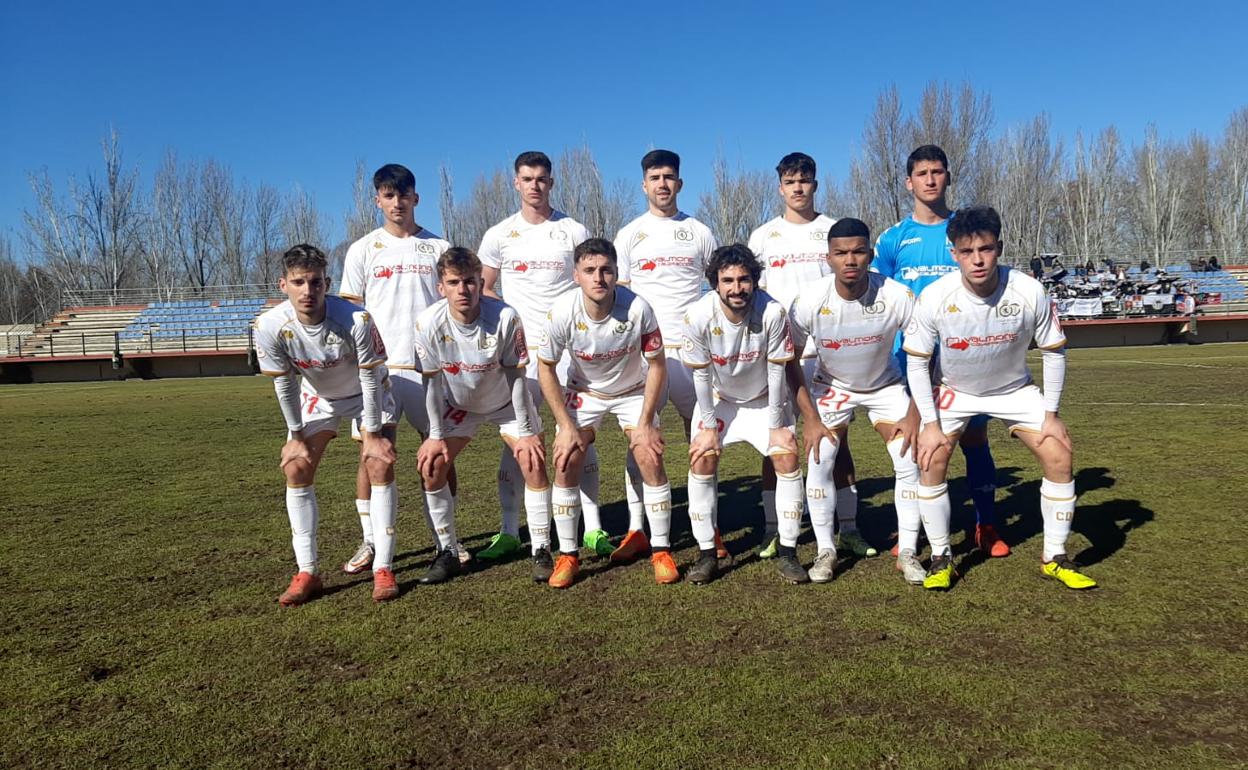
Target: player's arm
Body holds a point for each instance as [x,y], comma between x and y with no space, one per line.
[514,359]
[568,438]
[1051,340]
[491,257]
[352,286]
[623,262]
[920,339]
[644,437]
[370,353]
[489,279]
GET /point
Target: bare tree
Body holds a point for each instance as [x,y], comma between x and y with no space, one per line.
[580,193]
[1228,214]
[1159,192]
[12,299]
[877,175]
[228,206]
[266,207]
[300,220]
[960,124]
[363,217]
[1091,196]
[491,200]
[736,203]
[1027,190]
[167,226]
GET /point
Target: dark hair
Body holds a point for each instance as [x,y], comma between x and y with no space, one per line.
[396,177]
[594,247]
[976,220]
[736,255]
[533,159]
[659,159]
[305,256]
[849,228]
[926,152]
[459,259]
[796,163]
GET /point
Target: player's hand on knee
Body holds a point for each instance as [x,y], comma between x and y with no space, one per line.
[782,438]
[296,450]
[378,449]
[648,440]
[813,434]
[567,444]
[908,429]
[1054,427]
[932,442]
[427,457]
[530,453]
[705,443]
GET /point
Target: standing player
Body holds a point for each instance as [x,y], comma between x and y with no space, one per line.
[473,354]
[392,271]
[531,251]
[737,346]
[340,354]
[608,330]
[663,255]
[915,251]
[851,319]
[980,320]
[793,248]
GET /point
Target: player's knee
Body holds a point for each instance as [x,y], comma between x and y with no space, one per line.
[299,473]
[785,463]
[705,466]
[905,468]
[379,471]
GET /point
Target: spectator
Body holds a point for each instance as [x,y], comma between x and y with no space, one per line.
[1144,265]
[1213,265]
[1037,268]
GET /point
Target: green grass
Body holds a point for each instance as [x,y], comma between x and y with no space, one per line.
[145,540]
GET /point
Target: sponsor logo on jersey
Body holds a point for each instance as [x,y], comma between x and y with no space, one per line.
[455,367]
[522,266]
[925,271]
[825,310]
[962,343]
[646,264]
[719,425]
[604,355]
[683,234]
[1009,309]
[657,262]
[581,327]
[774,234]
[851,342]
[777,262]
[909,241]
[744,357]
[288,334]
[522,347]
[389,271]
[379,347]
[315,363]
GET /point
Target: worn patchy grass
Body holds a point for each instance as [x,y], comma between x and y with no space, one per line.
[144,541]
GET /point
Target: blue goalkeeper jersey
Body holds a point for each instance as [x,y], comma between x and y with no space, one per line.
[916,255]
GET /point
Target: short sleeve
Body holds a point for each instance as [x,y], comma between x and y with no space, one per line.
[554,339]
[920,334]
[885,262]
[514,349]
[694,351]
[490,253]
[426,357]
[370,351]
[579,233]
[274,360]
[623,258]
[651,336]
[757,239]
[353,272]
[799,322]
[1049,334]
[779,343]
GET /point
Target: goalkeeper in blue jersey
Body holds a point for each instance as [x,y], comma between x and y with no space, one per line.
[916,252]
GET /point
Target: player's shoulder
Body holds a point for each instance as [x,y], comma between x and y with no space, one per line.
[941,289]
[566,303]
[374,240]
[892,234]
[1020,283]
[344,312]
[702,310]
[496,309]
[630,229]
[814,293]
[890,287]
[502,228]
[432,315]
[694,224]
[426,236]
[564,222]
[276,317]
[765,231]
[631,300]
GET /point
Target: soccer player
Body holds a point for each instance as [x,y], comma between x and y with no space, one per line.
[915,251]
[532,253]
[392,272]
[663,255]
[793,248]
[980,320]
[608,330]
[737,346]
[851,319]
[473,354]
[333,344]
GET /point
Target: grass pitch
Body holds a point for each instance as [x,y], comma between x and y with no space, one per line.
[145,540]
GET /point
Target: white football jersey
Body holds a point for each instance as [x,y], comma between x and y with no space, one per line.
[328,355]
[737,353]
[793,255]
[664,260]
[472,357]
[535,262]
[982,342]
[853,339]
[605,356]
[395,278]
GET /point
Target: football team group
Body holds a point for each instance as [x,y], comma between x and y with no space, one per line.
[925,331]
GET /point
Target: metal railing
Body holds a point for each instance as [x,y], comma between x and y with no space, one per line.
[111,343]
[104,297]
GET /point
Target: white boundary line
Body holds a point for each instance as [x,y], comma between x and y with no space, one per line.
[1155,403]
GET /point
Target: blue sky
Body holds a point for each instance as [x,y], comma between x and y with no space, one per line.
[293,94]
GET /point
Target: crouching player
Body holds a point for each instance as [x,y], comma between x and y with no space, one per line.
[336,348]
[980,321]
[852,317]
[473,355]
[737,344]
[608,330]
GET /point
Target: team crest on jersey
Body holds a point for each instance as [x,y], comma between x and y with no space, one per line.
[487,342]
[684,234]
[1009,309]
[558,235]
[818,235]
[875,308]
[653,341]
[334,339]
[623,327]
[425,247]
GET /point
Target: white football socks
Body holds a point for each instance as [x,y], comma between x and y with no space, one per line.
[1057,506]
[510,481]
[658,502]
[702,494]
[385,502]
[442,514]
[821,495]
[590,483]
[303,513]
[789,492]
[905,497]
[537,515]
[934,510]
[366,521]
[565,509]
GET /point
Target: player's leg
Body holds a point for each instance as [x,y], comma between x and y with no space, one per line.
[303,513]
[683,397]
[933,491]
[1057,503]
[789,498]
[702,490]
[384,507]
[821,499]
[362,559]
[656,495]
[408,388]
[981,479]
[565,510]
[536,504]
[846,475]
[905,502]
[771,539]
[441,505]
